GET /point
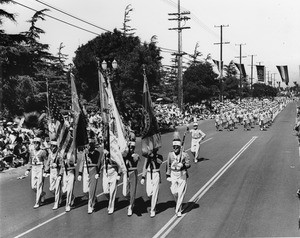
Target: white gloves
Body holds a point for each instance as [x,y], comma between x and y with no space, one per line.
[179,165]
[169,179]
[118,177]
[45,175]
[97,176]
[27,173]
[142,181]
[79,178]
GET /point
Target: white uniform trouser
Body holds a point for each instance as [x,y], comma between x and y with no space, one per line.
[68,185]
[195,144]
[109,183]
[90,185]
[55,187]
[37,181]
[152,187]
[131,187]
[178,189]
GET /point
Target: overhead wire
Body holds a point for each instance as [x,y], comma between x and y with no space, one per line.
[57,19]
[163,49]
[70,15]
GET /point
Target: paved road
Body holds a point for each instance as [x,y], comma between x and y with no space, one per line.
[245,186]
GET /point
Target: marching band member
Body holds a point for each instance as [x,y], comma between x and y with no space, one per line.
[88,172]
[67,172]
[111,177]
[197,136]
[151,172]
[37,159]
[177,164]
[53,167]
[131,161]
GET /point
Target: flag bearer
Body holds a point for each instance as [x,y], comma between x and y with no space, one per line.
[88,172]
[151,172]
[67,171]
[37,160]
[177,164]
[111,177]
[131,161]
[53,167]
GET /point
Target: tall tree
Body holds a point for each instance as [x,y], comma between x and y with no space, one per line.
[130,54]
[199,82]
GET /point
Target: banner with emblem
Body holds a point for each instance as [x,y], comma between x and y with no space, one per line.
[151,137]
[260,70]
[283,71]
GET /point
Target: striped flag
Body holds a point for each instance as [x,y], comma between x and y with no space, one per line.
[151,138]
[62,129]
[283,71]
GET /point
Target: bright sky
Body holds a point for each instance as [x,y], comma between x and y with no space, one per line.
[270,29]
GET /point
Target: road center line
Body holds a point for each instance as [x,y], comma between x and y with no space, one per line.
[59,215]
[169,226]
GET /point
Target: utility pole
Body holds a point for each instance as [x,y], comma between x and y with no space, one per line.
[240,45]
[268,77]
[274,80]
[180,16]
[251,78]
[221,60]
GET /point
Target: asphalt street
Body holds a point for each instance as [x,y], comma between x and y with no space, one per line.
[244,186]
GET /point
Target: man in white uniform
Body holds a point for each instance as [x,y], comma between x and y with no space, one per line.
[37,160]
[177,164]
[197,136]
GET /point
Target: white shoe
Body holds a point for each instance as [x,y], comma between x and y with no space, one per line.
[129,212]
[179,214]
[36,205]
[152,214]
[110,211]
[55,207]
[90,210]
[68,208]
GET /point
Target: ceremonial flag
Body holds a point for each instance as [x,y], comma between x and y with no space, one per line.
[260,69]
[80,123]
[241,68]
[117,144]
[63,135]
[103,97]
[283,71]
[151,138]
[117,126]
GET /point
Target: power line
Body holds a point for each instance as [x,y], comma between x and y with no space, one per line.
[57,19]
[77,18]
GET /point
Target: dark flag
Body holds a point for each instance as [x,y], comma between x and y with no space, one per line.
[241,68]
[217,63]
[283,71]
[260,69]
[151,138]
[80,123]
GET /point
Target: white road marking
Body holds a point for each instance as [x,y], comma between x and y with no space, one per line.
[53,218]
[168,227]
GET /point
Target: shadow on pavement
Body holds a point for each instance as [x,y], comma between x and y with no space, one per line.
[161,207]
